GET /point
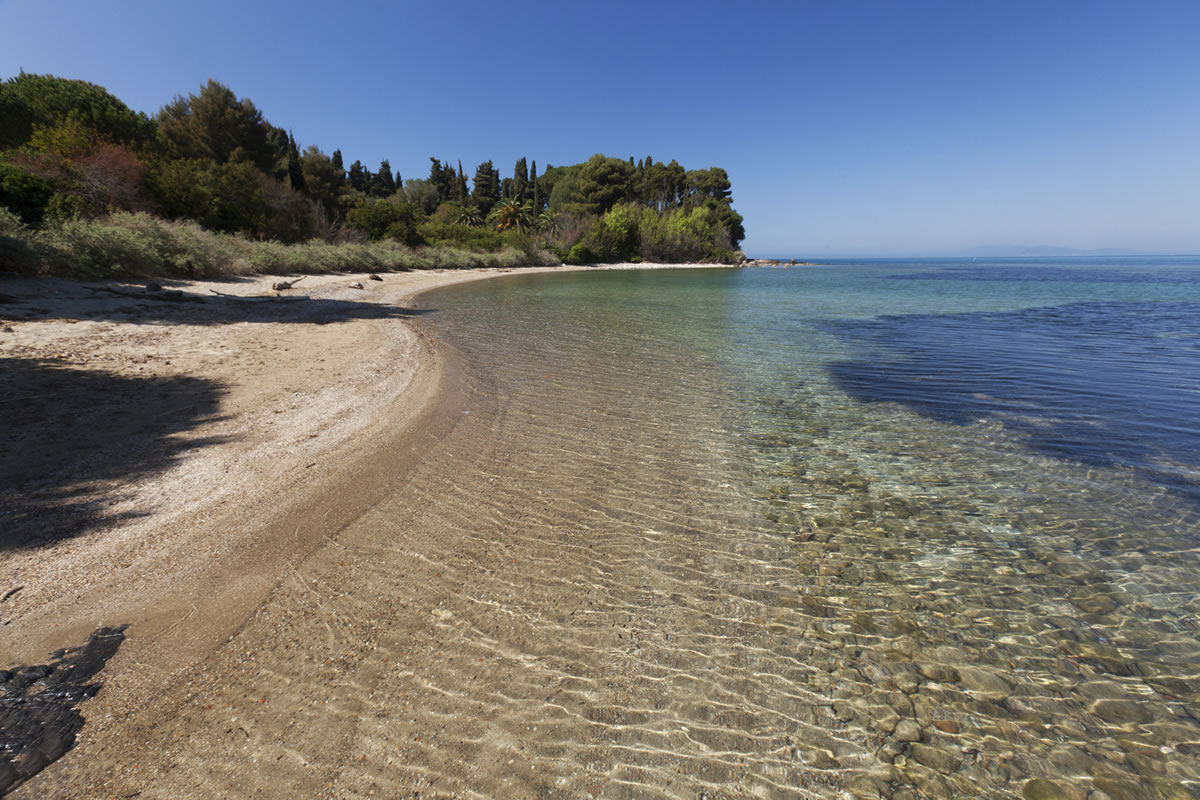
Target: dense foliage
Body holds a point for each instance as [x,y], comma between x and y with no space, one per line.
[75,158]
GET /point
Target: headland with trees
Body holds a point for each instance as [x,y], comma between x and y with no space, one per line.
[208,188]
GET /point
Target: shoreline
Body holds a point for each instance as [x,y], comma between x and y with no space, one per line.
[307,411]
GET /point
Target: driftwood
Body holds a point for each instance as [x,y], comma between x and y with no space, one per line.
[285,285]
[164,295]
[356,285]
[260,298]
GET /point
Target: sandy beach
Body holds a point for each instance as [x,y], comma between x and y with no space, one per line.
[167,463]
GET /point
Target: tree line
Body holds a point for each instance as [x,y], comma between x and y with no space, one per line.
[70,149]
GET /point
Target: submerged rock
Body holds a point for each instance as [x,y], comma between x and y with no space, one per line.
[1043,789]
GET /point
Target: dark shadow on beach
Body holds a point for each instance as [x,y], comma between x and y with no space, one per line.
[171,307]
[72,438]
[65,432]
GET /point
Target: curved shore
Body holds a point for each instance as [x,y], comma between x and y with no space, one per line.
[307,415]
[311,407]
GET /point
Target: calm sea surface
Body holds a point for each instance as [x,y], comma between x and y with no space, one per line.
[939,518]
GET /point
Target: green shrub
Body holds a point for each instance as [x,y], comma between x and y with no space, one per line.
[137,244]
[580,254]
[17,252]
[63,207]
[24,193]
[451,234]
[388,219]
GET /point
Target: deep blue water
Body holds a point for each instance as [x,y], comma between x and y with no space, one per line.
[1094,361]
[1105,383]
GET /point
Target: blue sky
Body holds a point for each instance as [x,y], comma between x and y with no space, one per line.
[847,128]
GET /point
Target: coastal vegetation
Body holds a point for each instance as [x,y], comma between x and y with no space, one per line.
[208,187]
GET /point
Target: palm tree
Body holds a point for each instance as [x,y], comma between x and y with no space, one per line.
[469,215]
[547,222]
[511,214]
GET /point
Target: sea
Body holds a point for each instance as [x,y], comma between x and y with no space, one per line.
[895,528]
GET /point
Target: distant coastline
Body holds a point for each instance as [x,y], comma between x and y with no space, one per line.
[776,262]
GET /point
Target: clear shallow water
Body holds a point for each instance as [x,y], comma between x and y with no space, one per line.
[965,493]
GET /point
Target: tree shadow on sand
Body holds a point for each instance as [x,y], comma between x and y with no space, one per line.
[173,307]
[73,441]
[70,439]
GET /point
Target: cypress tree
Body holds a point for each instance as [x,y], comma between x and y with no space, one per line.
[339,171]
[295,173]
[534,190]
[445,180]
[520,180]
[486,190]
[384,185]
[358,177]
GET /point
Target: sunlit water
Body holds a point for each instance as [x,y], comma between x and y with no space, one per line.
[934,523]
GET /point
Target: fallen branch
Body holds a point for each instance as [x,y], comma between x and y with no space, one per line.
[285,285]
[260,298]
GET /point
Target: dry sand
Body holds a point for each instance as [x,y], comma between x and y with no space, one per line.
[166,464]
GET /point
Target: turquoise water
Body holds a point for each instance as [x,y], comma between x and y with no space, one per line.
[969,490]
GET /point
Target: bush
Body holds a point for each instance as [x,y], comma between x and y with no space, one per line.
[128,244]
[615,237]
[580,254]
[223,197]
[451,234]
[63,207]
[388,219]
[24,193]
[16,250]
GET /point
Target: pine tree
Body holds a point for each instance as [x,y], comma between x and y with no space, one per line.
[336,161]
